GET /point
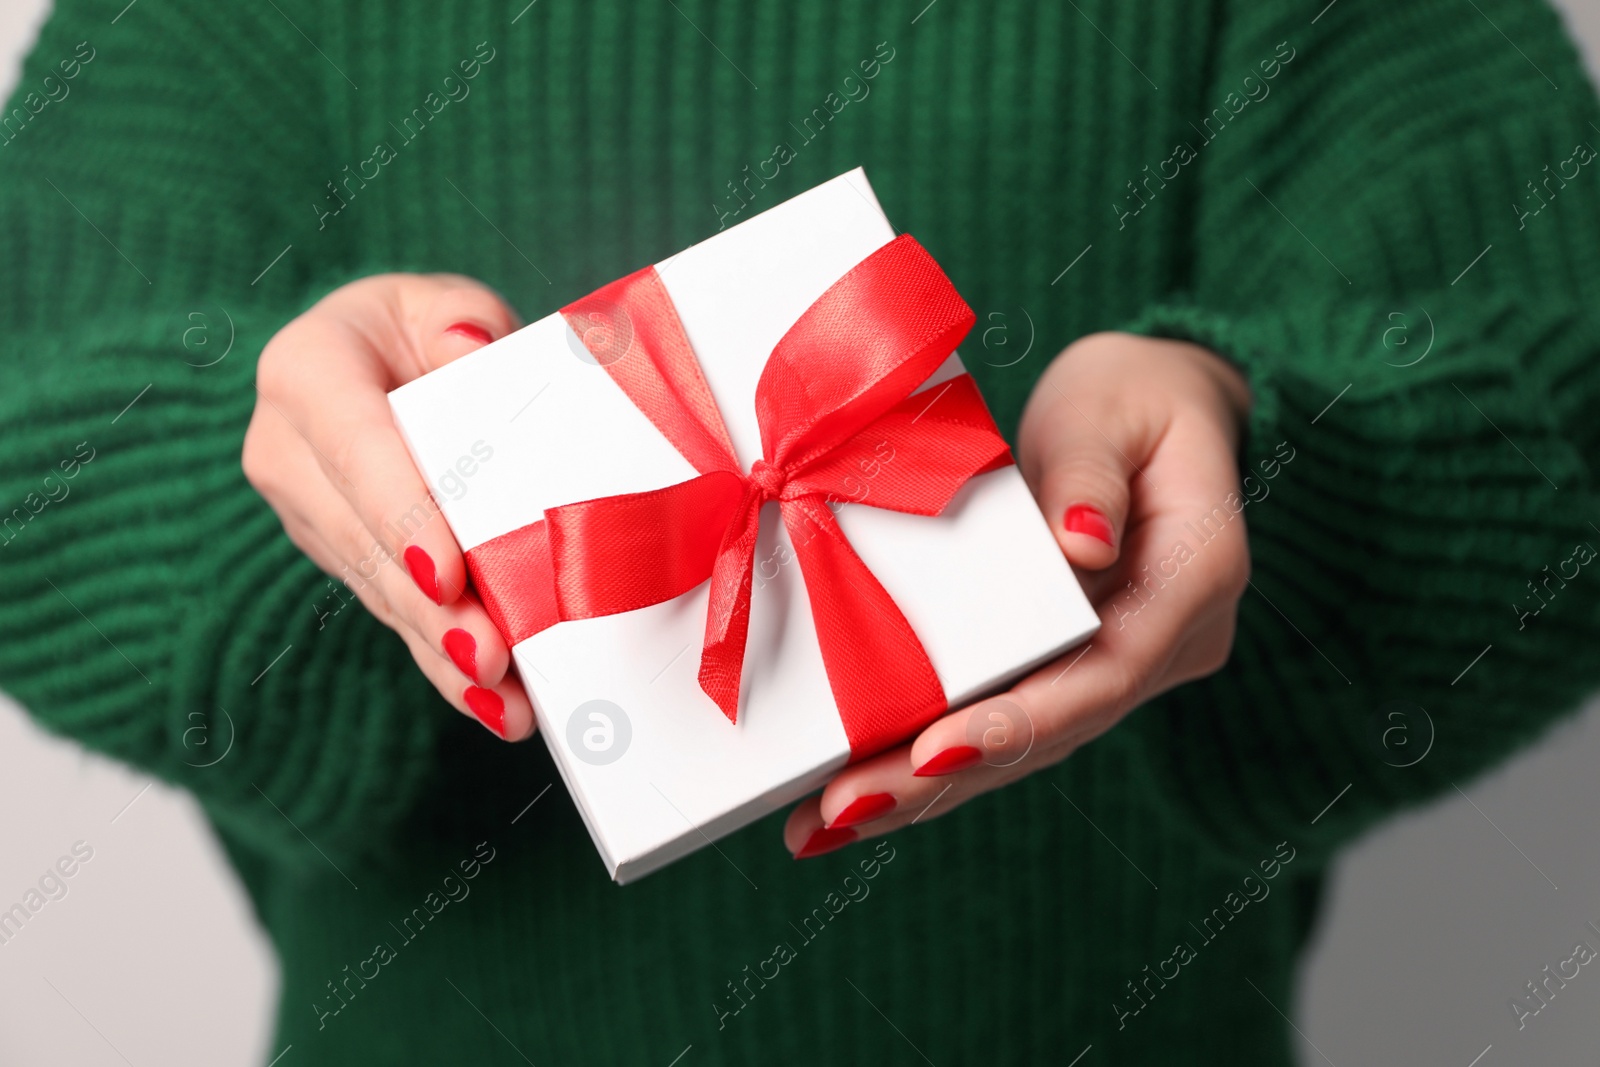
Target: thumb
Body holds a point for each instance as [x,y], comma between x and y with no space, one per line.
[443,317]
[462,316]
[1081,482]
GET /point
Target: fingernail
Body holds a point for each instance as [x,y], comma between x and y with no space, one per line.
[950,761]
[471,331]
[420,564]
[1081,518]
[825,839]
[488,707]
[463,652]
[864,809]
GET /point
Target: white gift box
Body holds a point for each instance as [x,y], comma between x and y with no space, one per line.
[532,422]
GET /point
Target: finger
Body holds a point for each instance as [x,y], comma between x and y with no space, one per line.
[904,783]
[363,457]
[457,315]
[862,796]
[967,753]
[980,747]
[503,709]
[1041,721]
[361,342]
[293,467]
[474,684]
[881,795]
[461,631]
[306,538]
[806,834]
[996,741]
[473,644]
[1080,461]
[461,316]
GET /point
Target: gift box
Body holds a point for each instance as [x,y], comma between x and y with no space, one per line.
[743,518]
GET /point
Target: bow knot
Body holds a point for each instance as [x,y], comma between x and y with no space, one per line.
[769,479]
[840,418]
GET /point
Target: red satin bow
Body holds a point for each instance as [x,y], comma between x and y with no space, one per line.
[834,398]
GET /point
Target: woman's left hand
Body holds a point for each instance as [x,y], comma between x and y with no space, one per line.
[1129,444]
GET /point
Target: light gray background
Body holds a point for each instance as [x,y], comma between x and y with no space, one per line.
[1433,923]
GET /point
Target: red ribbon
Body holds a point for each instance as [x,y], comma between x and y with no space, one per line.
[834,398]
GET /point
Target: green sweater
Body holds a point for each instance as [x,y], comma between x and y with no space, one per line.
[1378,212]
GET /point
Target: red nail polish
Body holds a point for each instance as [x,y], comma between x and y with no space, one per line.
[488,707]
[950,761]
[1081,518]
[864,809]
[463,652]
[825,839]
[420,564]
[471,331]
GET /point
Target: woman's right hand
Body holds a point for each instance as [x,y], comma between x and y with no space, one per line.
[322,448]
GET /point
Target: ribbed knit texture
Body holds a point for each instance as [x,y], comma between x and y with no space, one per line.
[175,197]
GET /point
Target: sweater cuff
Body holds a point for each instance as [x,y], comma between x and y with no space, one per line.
[1398,499]
[1225,336]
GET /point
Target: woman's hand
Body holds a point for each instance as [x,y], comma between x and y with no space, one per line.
[323,449]
[1129,444]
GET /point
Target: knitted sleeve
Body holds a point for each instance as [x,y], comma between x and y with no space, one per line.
[156,172]
[1397,238]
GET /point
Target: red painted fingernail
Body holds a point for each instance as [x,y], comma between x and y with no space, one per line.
[864,809]
[488,707]
[463,652]
[950,761]
[825,839]
[420,564]
[1081,518]
[471,331]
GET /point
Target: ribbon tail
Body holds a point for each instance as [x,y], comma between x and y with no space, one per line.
[882,680]
[728,615]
